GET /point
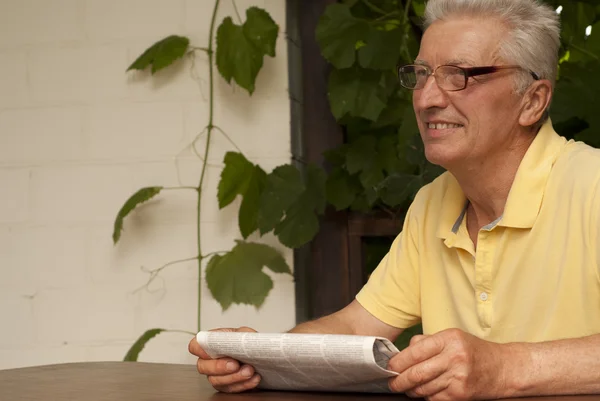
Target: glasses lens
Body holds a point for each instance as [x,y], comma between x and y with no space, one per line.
[451,78]
[413,76]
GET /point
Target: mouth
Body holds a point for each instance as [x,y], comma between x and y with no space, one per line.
[439,126]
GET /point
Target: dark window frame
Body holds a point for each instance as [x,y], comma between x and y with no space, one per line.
[329,271]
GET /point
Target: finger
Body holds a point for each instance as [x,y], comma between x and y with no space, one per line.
[419,374]
[245,329]
[217,367]
[243,375]
[429,389]
[420,351]
[249,384]
[225,329]
[195,348]
[417,338]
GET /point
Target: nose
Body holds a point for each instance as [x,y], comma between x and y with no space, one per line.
[430,96]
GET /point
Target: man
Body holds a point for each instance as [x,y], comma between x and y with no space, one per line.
[498,257]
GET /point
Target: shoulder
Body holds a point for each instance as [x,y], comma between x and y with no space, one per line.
[577,166]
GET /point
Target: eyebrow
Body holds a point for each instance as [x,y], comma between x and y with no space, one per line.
[456,61]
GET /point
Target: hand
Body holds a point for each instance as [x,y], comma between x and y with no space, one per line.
[450,365]
[225,374]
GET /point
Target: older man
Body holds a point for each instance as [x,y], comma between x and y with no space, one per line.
[498,257]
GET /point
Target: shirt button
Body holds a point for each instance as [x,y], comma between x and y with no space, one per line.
[483,296]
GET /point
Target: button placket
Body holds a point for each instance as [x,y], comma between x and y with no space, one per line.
[483,268]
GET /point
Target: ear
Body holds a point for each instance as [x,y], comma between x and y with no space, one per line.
[535,101]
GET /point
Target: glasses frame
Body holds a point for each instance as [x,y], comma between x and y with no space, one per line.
[468,73]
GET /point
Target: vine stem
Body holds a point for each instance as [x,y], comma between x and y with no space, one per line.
[178,188]
[237,13]
[154,273]
[373,7]
[584,51]
[406,28]
[180,331]
[406,9]
[209,129]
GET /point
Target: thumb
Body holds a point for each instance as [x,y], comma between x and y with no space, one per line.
[417,338]
[225,330]
[245,329]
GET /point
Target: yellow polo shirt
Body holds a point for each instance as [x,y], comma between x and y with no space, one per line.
[535,275]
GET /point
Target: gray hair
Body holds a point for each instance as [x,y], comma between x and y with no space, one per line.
[534,38]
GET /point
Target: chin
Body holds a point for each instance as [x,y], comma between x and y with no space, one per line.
[441,155]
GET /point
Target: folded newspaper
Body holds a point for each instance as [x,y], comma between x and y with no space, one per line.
[308,362]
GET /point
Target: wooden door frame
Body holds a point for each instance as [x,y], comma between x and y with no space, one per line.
[328,271]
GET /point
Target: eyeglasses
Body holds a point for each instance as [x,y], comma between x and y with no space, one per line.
[448,77]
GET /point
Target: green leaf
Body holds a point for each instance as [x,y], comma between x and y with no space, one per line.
[361,204]
[387,148]
[393,114]
[162,54]
[141,196]
[397,188]
[290,205]
[234,178]
[283,186]
[134,352]
[241,48]
[338,33]
[361,154]
[241,177]
[301,223]
[363,157]
[341,189]
[410,144]
[356,92]
[261,30]
[248,214]
[315,188]
[299,226]
[238,278]
[418,7]
[382,49]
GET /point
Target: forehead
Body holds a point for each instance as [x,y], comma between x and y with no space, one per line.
[466,40]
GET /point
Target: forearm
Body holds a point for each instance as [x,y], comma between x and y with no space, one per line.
[353,319]
[331,324]
[553,368]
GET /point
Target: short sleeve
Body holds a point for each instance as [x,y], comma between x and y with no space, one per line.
[392,293]
[595,226]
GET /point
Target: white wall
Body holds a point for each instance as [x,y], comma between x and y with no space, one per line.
[77,137]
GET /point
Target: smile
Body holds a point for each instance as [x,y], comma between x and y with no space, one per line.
[442,126]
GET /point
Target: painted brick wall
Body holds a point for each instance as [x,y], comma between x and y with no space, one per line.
[77,137]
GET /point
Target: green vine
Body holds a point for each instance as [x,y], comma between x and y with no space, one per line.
[209,129]
[228,273]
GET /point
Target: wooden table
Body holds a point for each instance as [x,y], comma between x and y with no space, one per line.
[131,381]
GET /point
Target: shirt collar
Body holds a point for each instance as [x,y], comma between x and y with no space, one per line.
[525,196]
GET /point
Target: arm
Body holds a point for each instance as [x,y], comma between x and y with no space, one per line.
[556,367]
[455,365]
[226,374]
[353,319]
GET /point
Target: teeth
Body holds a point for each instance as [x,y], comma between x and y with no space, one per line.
[443,126]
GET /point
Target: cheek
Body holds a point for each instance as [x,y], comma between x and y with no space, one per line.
[415,100]
[482,108]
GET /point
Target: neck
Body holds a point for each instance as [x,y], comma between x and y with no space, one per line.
[487,181]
